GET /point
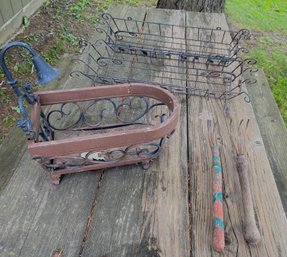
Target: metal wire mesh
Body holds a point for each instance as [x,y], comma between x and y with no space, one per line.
[194,61]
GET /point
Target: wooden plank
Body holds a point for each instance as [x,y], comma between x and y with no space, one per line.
[145,213]
[12,25]
[16,5]
[26,2]
[114,227]
[2,22]
[272,128]
[34,212]
[6,10]
[165,194]
[270,215]
[200,156]
[36,216]
[11,152]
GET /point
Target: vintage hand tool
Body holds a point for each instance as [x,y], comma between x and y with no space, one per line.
[251,232]
[218,242]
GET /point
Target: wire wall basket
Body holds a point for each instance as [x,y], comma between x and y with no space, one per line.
[187,60]
[154,38]
[201,77]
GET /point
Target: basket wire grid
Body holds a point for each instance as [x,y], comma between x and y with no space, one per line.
[205,78]
[124,34]
[189,60]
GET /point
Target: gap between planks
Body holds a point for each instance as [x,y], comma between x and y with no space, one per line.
[90,217]
[160,219]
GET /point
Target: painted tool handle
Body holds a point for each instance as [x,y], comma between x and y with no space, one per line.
[218,232]
[251,232]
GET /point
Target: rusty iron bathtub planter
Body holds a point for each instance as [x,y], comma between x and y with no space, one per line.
[128,125]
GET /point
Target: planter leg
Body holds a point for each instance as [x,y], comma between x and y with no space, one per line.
[56,178]
[145,165]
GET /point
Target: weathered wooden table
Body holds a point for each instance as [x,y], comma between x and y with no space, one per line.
[164,211]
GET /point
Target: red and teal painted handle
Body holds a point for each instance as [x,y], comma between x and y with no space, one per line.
[218,233]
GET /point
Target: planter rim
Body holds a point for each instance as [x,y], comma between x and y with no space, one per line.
[111,139]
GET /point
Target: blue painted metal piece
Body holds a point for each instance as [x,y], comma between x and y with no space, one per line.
[45,74]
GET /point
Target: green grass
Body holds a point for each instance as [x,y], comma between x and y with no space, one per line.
[259,15]
[273,60]
[268,19]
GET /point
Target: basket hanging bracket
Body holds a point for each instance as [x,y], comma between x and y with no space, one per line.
[45,74]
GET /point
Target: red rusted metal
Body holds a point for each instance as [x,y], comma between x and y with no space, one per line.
[65,155]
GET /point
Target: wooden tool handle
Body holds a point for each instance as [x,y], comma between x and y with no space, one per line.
[251,232]
[218,233]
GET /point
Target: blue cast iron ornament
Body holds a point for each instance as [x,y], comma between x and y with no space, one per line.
[45,74]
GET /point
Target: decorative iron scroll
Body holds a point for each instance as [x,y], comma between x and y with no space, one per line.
[138,153]
[103,114]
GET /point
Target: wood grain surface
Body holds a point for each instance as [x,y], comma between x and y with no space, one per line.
[268,207]
[272,128]
[165,211]
[145,213]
